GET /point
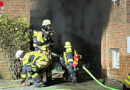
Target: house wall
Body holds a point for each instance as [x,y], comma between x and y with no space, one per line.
[115,36]
[17,8]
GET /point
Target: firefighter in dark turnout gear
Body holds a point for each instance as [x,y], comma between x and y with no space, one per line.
[33,63]
[48,32]
[126,86]
[69,63]
[48,38]
[43,42]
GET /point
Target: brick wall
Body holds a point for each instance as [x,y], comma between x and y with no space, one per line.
[13,8]
[128,11]
[17,8]
[128,33]
[115,36]
[4,67]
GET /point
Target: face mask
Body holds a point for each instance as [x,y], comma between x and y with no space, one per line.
[47,28]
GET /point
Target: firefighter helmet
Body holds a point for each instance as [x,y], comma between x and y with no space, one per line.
[46,22]
[67,44]
[19,53]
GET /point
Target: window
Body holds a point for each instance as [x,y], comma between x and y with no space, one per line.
[115,58]
[116,2]
[33,4]
[128,44]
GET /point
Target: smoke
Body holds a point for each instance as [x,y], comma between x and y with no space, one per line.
[79,21]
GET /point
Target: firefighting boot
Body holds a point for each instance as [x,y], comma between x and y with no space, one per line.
[74,79]
[65,77]
[28,82]
[39,85]
[69,79]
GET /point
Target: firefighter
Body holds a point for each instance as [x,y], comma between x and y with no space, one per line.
[126,86]
[33,64]
[48,36]
[69,61]
[43,40]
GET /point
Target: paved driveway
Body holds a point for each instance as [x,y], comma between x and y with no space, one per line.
[59,84]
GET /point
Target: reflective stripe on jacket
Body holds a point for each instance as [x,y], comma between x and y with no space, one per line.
[34,59]
[68,56]
[127,81]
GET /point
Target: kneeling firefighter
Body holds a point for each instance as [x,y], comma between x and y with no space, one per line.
[126,86]
[69,61]
[33,65]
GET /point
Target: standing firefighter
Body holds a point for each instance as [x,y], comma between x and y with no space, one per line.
[33,65]
[48,33]
[69,62]
[48,42]
[126,86]
[43,42]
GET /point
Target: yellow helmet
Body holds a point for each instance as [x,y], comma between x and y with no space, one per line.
[67,44]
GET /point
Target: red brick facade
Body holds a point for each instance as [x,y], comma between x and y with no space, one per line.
[17,8]
[13,8]
[4,67]
[115,36]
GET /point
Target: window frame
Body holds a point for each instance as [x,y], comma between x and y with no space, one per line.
[128,44]
[115,58]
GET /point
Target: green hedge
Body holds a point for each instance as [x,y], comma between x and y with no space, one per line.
[14,35]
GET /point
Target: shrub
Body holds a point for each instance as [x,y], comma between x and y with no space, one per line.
[14,35]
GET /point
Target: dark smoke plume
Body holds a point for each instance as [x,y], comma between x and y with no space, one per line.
[79,21]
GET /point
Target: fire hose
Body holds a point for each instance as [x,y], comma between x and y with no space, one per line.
[110,88]
[12,86]
[107,87]
[25,85]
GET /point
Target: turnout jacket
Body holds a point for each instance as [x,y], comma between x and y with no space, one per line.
[68,57]
[41,39]
[127,81]
[32,62]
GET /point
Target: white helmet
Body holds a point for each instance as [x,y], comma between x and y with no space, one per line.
[46,22]
[18,53]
